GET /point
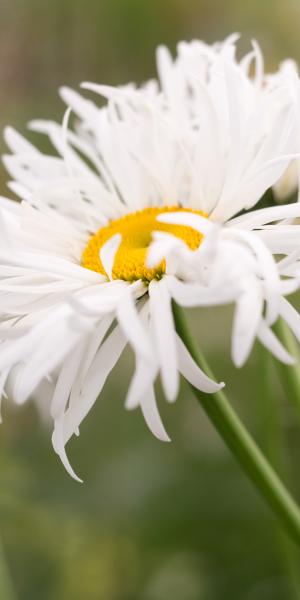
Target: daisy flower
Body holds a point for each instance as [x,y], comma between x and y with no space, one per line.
[137,209]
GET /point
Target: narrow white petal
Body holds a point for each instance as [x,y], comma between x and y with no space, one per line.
[108,253]
[17,143]
[152,416]
[142,380]
[85,109]
[164,332]
[193,373]
[260,217]
[162,244]
[45,351]
[197,222]
[269,271]
[107,91]
[94,343]
[132,326]
[272,343]
[247,316]
[66,379]
[104,361]
[194,294]
[59,447]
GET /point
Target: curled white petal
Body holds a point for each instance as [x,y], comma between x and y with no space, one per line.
[152,416]
[272,343]
[108,253]
[193,373]
[197,222]
[59,447]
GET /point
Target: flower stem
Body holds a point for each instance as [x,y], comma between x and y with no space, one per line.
[289,374]
[275,448]
[240,442]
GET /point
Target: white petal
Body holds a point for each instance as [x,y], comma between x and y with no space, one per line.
[272,343]
[247,316]
[108,253]
[85,109]
[188,219]
[260,217]
[152,416]
[59,447]
[104,361]
[142,380]
[66,379]
[17,143]
[132,326]
[93,346]
[162,244]
[164,332]
[268,269]
[193,373]
[193,294]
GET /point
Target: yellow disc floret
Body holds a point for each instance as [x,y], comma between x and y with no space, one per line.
[136,230]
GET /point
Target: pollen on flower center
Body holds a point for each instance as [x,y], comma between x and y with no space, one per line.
[136,230]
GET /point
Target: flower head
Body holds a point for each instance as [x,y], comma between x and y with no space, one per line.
[138,209]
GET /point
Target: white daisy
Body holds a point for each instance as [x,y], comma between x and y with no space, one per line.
[77,279]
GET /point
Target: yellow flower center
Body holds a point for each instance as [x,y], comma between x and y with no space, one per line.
[136,230]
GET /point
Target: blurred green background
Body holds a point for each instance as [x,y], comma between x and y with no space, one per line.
[152,521]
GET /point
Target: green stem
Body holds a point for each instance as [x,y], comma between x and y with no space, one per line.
[275,448]
[289,374]
[239,441]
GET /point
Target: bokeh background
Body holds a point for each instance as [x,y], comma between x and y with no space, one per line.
[152,521]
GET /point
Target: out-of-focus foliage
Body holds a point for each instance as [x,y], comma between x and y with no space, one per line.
[152,521]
